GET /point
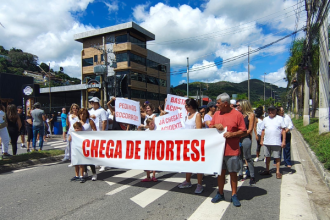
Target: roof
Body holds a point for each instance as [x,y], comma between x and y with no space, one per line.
[129,25]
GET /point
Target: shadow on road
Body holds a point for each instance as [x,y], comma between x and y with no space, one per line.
[248,192]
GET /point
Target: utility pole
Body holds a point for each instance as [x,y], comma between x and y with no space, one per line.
[187,77]
[50,97]
[306,84]
[324,123]
[249,73]
[264,88]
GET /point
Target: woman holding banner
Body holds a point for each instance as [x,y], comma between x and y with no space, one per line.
[149,108]
[70,120]
[193,121]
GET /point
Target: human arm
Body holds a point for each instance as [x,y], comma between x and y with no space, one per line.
[241,128]
[283,138]
[218,126]
[127,129]
[19,123]
[251,124]
[112,109]
[29,121]
[255,128]
[104,119]
[262,137]
[92,125]
[198,121]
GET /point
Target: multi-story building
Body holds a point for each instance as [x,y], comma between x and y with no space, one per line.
[116,59]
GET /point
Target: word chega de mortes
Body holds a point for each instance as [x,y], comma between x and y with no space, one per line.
[191,150]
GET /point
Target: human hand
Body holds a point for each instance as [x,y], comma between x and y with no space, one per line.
[93,116]
[228,135]
[257,138]
[219,127]
[283,145]
[261,142]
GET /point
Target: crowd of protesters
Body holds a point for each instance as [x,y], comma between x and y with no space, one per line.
[238,117]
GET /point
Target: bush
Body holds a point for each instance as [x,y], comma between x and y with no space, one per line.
[318,143]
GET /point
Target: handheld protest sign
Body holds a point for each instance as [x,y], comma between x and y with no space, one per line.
[128,111]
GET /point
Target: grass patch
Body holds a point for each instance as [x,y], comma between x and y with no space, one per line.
[320,144]
[30,156]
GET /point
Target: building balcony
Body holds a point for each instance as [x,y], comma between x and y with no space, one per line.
[129,46]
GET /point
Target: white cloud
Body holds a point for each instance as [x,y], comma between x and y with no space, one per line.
[113,6]
[45,33]
[276,78]
[182,82]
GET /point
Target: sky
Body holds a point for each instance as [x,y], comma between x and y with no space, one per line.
[212,33]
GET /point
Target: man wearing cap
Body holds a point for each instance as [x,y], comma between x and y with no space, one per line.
[23,130]
[273,128]
[232,103]
[38,116]
[98,114]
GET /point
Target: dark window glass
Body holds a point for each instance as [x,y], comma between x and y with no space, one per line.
[137,59]
[87,62]
[155,96]
[138,77]
[152,96]
[102,57]
[122,83]
[137,41]
[138,94]
[152,80]
[152,64]
[121,57]
[162,68]
[95,58]
[163,82]
[162,97]
[121,39]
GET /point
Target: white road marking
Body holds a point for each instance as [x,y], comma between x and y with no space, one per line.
[295,203]
[149,195]
[57,144]
[209,210]
[30,168]
[128,174]
[60,146]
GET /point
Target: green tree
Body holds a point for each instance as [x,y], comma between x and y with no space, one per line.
[45,67]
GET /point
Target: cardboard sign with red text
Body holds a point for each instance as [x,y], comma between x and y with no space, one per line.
[170,121]
[128,111]
[175,102]
[193,150]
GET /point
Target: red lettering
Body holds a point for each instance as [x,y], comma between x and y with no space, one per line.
[118,151]
[169,150]
[186,150]
[203,150]
[149,150]
[129,149]
[195,156]
[137,150]
[160,150]
[102,148]
[94,148]
[178,148]
[86,143]
[109,149]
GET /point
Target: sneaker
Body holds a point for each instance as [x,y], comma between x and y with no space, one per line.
[85,175]
[185,184]
[102,168]
[82,179]
[23,146]
[28,150]
[235,201]
[70,165]
[247,174]
[252,181]
[65,159]
[199,189]
[240,178]
[218,197]
[256,159]
[94,177]
[75,178]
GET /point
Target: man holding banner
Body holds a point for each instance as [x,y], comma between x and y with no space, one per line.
[234,121]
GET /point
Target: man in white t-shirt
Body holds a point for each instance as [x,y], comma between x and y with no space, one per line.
[98,114]
[273,130]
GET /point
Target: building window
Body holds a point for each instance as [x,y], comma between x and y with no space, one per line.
[152,80]
[163,82]
[102,57]
[121,57]
[137,59]
[138,77]
[137,41]
[162,97]
[95,58]
[138,94]
[121,39]
[87,62]
[152,96]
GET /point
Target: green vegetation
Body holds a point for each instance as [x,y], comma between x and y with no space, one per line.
[30,156]
[212,90]
[15,61]
[318,143]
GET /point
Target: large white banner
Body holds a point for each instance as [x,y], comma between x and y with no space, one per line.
[174,102]
[195,150]
[128,111]
[170,121]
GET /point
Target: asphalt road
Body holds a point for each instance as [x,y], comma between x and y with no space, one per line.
[45,192]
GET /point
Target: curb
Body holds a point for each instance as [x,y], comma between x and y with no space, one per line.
[319,166]
[28,163]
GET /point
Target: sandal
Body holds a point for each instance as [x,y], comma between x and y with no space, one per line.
[264,173]
[278,175]
[154,179]
[146,180]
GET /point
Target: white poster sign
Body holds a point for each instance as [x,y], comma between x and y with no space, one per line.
[170,121]
[128,111]
[175,102]
[195,150]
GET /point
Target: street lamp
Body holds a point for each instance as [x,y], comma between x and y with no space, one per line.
[50,98]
